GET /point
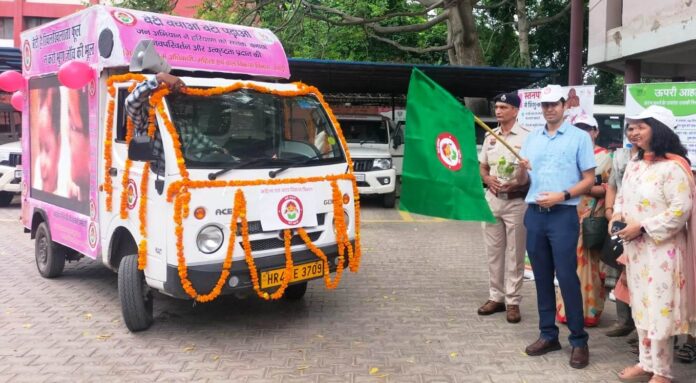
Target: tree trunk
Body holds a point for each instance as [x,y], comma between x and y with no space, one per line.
[462,33]
[523,33]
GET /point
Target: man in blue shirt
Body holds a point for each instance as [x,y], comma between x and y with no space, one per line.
[560,163]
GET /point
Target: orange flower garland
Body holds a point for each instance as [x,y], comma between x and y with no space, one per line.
[108,136]
[320,254]
[179,193]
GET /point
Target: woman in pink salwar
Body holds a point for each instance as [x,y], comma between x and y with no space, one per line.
[656,202]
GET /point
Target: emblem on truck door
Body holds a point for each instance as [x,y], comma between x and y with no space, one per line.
[132,194]
[290,210]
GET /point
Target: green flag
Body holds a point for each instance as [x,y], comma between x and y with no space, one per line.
[441,170]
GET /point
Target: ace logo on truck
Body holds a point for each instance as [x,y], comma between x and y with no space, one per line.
[290,210]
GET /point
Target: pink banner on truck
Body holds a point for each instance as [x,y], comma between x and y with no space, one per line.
[202,45]
[188,44]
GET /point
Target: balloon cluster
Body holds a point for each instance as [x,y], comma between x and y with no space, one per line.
[74,74]
[11,81]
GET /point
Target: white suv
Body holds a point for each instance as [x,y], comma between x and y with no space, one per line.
[368,139]
[10,171]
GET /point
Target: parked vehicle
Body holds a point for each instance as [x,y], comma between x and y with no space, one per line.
[10,172]
[369,141]
[249,192]
[611,125]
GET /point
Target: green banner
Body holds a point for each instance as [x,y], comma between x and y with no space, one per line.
[680,98]
[441,170]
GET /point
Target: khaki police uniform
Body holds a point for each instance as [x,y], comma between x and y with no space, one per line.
[505,239]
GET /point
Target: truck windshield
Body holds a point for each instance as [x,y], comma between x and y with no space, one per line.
[257,129]
[364,131]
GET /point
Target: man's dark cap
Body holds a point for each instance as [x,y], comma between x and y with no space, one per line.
[508,98]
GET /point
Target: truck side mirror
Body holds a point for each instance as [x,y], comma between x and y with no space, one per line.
[397,141]
[141,148]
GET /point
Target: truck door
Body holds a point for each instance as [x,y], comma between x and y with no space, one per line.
[396,146]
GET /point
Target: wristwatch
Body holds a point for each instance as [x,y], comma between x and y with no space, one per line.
[566,195]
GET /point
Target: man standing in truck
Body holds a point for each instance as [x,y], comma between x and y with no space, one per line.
[137,107]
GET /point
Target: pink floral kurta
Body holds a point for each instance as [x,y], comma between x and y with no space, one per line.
[657,194]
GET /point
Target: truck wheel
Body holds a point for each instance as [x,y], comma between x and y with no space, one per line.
[295,292]
[50,256]
[6,198]
[389,200]
[136,296]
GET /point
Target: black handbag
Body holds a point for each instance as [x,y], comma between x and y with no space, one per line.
[594,230]
[612,249]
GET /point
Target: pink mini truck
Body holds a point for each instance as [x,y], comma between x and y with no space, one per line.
[235,183]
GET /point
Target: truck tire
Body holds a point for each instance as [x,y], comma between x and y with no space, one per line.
[135,295]
[389,200]
[295,292]
[50,256]
[6,198]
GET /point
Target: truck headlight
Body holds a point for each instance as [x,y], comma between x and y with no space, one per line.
[382,163]
[210,239]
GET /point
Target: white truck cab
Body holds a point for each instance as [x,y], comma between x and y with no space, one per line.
[10,171]
[238,182]
[369,139]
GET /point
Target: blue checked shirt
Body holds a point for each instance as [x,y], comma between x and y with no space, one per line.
[137,108]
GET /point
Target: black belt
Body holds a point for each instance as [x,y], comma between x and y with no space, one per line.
[511,195]
[551,209]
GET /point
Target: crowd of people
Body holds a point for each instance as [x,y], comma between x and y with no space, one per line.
[565,187]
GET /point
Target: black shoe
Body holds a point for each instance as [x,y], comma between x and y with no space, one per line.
[542,346]
[580,357]
[619,330]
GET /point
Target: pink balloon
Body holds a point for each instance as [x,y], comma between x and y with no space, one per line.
[11,81]
[17,100]
[75,74]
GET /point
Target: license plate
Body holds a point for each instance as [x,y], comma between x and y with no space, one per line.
[359,177]
[301,272]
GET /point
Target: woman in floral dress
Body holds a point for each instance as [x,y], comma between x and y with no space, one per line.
[589,266]
[655,202]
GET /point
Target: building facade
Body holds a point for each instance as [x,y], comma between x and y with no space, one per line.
[643,38]
[19,15]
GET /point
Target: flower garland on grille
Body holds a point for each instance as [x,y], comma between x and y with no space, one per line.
[179,193]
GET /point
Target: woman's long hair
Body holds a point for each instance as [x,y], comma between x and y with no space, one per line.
[663,141]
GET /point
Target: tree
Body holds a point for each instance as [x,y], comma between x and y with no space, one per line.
[159,6]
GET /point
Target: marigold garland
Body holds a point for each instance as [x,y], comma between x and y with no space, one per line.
[108,136]
[325,260]
[179,193]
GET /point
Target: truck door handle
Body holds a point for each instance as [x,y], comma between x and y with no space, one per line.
[113,172]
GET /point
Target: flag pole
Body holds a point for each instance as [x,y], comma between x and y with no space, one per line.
[497,137]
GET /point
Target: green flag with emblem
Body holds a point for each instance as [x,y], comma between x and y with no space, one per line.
[441,170]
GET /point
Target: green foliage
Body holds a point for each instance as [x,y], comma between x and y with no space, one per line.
[159,6]
[609,87]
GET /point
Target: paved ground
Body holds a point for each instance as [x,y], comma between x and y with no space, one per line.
[409,315]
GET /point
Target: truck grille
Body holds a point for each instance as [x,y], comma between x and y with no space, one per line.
[255,226]
[276,243]
[362,165]
[15,159]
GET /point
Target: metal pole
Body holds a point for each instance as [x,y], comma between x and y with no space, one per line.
[576,21]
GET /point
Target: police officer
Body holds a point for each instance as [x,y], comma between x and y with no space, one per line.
[505,239]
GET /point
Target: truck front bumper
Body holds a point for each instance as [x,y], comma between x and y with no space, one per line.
[8,181]
[376,181]
[204,277]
